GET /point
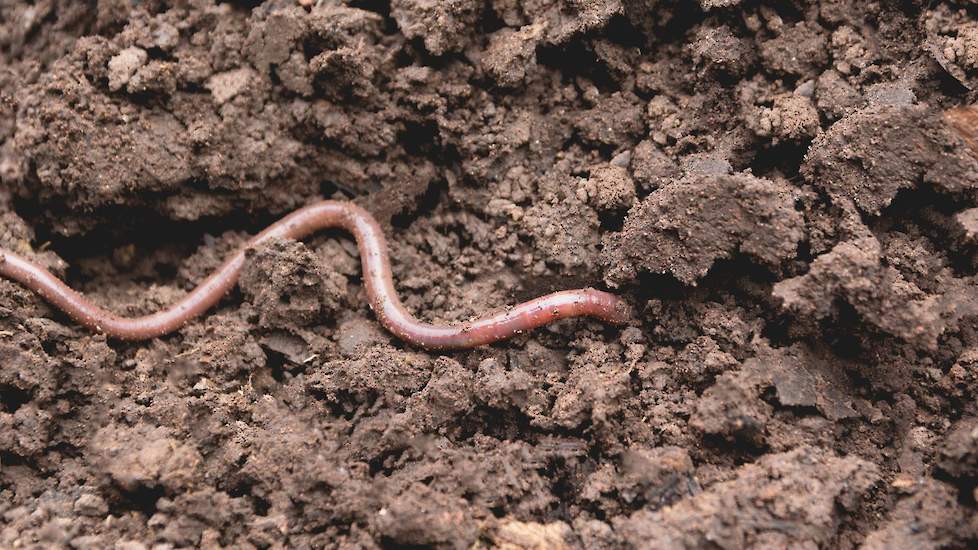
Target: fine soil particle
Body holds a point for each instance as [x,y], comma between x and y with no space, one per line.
[787,194]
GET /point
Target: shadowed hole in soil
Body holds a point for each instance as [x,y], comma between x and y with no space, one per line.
[842,331]
[281,368]
[783,159]
[268,378]
[8,458]
[12,398]
[420,139]
[927,211]
[344,404]
[621,31]
[948,85]
[740,447]
[571,59]
[905,208]
[612,221]
[419,55]
[501,424]
[380,7]
[386,462]
[682,16]
[276,365]
[490,21]
[658,286]
[243,5]
[151,237]
[145,229]
[179,238]
[574,59]
[388,542]
[565,485]
[245,490]
[778,329]
[143,499]
[770,397]
[964,486]
[67,450]
[739,275]
[422,207]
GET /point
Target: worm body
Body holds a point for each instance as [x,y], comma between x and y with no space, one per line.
[377,280]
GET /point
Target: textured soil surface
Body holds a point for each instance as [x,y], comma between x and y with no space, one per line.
[779,191]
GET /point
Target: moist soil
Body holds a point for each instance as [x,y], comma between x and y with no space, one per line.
[786,194]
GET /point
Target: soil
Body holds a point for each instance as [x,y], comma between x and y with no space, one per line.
[777,189]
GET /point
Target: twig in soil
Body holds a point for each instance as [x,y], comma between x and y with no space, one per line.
[377,278]
[964,120]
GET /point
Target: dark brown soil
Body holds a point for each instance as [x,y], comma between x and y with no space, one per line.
[775,187]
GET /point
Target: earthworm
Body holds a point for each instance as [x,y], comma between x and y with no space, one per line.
[376,275]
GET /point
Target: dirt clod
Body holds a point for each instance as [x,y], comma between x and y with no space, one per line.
[683,228]
[790,497]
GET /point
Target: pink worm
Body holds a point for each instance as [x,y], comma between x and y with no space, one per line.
[377,278]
